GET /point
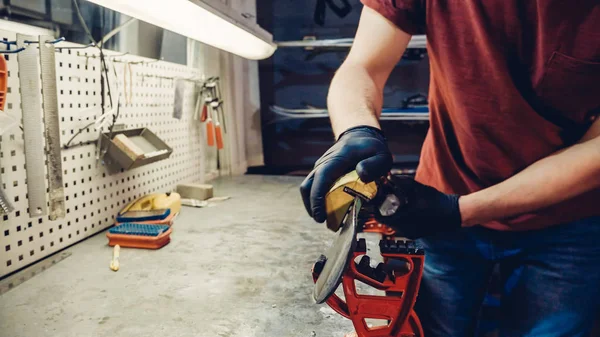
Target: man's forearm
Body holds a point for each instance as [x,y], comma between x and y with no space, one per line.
[559,177]
[353,99]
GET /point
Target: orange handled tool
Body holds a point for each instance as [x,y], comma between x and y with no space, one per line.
[204,114]
[215,104]
[210,132]
[3,81]
[210,128]
[219,136]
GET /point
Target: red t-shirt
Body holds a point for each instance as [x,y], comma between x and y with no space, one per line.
[512,82]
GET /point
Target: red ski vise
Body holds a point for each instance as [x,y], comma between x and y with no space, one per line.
[374,226]
[399,276]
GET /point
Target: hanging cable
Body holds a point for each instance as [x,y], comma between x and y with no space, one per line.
[68,144]
[115,31]
[103,73]
[82,22]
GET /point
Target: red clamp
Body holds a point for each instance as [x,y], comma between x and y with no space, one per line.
[399,276]
[374,226]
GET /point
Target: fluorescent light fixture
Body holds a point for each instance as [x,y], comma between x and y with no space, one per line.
[220,28]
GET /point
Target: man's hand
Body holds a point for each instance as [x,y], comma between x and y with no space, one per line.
[363,148]
[425,211]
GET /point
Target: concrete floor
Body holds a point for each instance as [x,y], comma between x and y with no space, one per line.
[240,269]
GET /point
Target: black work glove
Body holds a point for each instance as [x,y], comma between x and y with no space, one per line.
[424,211]
[362,148]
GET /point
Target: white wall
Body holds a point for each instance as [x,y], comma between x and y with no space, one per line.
[239,81]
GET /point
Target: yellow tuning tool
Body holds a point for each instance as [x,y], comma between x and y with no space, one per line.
[341,196]
[150,202]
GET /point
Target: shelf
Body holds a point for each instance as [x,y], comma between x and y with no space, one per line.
[408,114]
[417,42]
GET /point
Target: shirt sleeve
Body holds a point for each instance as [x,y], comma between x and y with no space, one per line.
[408,15]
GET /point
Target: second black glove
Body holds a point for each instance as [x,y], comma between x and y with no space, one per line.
[425,211]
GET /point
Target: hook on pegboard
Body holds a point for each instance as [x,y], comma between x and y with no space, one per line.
[27,43]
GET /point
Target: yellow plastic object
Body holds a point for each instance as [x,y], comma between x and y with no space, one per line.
[171,201]
[337,201]
[149,202]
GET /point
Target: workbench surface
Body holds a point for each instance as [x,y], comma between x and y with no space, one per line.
[239,269]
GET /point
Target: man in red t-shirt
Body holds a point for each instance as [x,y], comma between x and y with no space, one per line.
[510,169]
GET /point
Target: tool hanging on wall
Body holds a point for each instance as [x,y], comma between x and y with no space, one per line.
[199,104]
[5,205]
[179,95]
[127,71]
[215,107]
[399,275]
[213,111]
[56,190]
[33,128]
[201,98]
[221,111]
[210,128]
[7,121]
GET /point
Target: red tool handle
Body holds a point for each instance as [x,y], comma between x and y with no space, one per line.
[210,132]
[204,114]
[219,136]
[3,81]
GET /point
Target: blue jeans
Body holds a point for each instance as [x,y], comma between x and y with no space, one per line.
[551,280]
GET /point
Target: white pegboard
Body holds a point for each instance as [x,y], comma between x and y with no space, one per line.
[93,197]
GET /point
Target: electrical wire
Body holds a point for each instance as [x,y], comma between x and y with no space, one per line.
[103,60]
[115,116]
[115,31]
[103,72]
[82,22]
[68,145]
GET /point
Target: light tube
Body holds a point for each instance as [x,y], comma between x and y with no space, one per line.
[200,22]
